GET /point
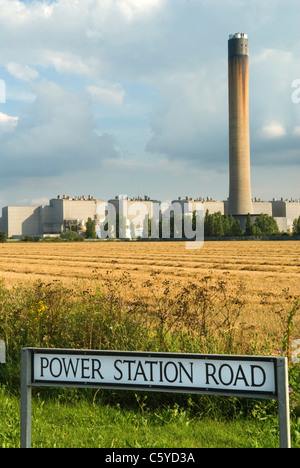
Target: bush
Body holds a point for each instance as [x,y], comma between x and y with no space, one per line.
[71,236]
[3,237]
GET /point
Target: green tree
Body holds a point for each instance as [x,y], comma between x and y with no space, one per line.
[90,229]
[218,225]
[3,237]
[249,226]
[236,228]
[226,226]
[267,225]
[296,227]
[209,225]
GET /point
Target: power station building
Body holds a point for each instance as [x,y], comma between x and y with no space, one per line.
[61,215]
[65,213]
[71,214]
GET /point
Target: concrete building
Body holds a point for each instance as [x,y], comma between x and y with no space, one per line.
[135,210]
[239,137]
[62,214]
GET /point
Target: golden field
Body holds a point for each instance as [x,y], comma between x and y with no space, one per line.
[268,270]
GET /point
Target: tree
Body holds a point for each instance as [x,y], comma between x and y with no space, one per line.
[209,224]
[267,225]
[226,226]
[90,229]
[3,237]
[249,227]
[236,228]
[296,227]
[218,228]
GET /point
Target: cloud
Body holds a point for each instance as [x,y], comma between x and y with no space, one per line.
[22,72]
[7,123]
[133,9]
[273,130]
[113,94]
[296,131]
[153,74]
[58,133]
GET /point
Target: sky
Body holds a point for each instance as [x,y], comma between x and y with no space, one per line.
[110,97]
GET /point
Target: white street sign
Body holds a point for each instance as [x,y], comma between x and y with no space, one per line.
[156,371]
[243,376]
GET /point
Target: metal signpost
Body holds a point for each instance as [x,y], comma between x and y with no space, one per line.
[243,376]
[2,352]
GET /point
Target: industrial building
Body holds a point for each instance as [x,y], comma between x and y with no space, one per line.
[62,214]
[71,214]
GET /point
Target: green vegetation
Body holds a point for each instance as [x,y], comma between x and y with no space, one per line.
[72,421]
[3,237]
[217,225]
[90,229]
[51,315]
[296,227]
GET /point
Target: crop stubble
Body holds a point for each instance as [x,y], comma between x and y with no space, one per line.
[269,270]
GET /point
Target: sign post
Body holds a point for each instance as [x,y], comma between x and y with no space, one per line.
[2,352]
[243,376]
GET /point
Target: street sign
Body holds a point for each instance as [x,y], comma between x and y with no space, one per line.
[243,376]
[2,352]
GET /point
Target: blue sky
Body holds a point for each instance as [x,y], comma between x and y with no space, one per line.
[108,97]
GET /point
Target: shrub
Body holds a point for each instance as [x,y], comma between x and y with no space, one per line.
[3,237]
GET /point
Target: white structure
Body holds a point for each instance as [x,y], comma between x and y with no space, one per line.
[62,214]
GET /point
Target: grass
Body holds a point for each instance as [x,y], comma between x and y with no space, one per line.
[86,424]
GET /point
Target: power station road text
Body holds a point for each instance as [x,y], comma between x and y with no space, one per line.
[143,371]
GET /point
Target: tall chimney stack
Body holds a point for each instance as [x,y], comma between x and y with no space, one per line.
[240,202]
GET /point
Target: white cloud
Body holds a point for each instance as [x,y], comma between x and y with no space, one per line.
[7,123]
[273,130]
[296,131]
[113,94]
[67,62]
[132,9]
[22,72]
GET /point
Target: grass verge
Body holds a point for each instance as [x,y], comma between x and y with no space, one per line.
[86,424]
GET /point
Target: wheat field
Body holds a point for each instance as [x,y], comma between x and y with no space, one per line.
[269,270]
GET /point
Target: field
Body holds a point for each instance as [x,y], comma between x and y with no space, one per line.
[264,274]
